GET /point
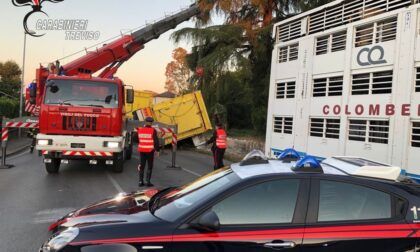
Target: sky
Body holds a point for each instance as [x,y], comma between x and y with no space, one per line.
[145,71]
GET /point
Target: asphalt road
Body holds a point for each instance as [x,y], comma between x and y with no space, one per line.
[30,199]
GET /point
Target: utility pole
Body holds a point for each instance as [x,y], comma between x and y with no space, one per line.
[22,85]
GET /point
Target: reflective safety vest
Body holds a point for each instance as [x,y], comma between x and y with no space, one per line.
[221,139]
[146,143]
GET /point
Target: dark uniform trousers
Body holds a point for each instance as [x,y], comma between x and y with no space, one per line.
[218,155]
[146,157]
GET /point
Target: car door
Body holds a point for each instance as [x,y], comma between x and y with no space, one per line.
[263,216]
[350,214]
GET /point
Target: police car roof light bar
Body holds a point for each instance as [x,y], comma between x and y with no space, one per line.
[289,155]
[253,158]
[308,164]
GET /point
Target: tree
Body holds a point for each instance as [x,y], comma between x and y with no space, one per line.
[10,81]
[236,56]
[178,73]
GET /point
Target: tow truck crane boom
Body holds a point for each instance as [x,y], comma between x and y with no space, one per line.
[121,50]
[111,56]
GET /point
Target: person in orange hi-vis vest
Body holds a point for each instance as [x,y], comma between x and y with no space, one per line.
[148,146]
[219,141]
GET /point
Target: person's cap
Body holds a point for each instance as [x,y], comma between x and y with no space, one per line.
[149,119]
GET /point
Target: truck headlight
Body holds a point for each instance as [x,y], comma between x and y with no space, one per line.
[61,240]
[111,144]
[44,142]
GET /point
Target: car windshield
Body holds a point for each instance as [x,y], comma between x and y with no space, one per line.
[82,93]
[181,200]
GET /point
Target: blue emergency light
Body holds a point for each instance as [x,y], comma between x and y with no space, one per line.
[289,155]
[308,164]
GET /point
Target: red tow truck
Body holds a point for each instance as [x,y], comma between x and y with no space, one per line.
[83,117]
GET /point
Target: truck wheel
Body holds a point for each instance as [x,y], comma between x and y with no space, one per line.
[54,166]
[118,166]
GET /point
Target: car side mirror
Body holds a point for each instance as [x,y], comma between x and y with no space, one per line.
[130,96]
[208,222]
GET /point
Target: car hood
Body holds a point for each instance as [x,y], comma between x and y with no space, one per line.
[123,208]
[101,219]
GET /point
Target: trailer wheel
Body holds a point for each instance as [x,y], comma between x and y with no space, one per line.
[118,166]
[54,166]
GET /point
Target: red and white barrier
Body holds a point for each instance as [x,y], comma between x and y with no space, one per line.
[25,125]
[4,134]
[168,131]
[174,143]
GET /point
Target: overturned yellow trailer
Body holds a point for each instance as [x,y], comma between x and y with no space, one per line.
[142,99]
[188,112]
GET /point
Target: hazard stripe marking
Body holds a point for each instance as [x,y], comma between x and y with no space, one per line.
[88,153]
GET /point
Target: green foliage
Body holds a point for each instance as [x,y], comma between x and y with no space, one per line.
[9,108]
[10,74]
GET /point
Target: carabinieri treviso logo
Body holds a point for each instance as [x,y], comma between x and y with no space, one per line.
[75,29]
[36,7]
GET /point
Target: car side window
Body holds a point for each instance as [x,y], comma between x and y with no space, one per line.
[271,202]
[339,201]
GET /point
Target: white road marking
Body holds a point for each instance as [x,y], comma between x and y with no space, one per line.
[193,173]
[114,183]
[184,169]
[17,156]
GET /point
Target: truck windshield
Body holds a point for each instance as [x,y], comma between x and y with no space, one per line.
[82,93]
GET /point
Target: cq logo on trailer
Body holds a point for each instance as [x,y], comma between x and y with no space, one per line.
[377,51]
[36,7]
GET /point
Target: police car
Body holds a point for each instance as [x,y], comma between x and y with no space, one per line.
[290,204]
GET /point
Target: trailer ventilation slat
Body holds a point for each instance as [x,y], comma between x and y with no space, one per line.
[418,80]
[382,82]
[339,41]
[378,32]
[342,13]
[331,43]
[283,125]
[288,53]
[331,86]
[369,131]
[325,128]
[293,52]
[372,83]
[322,45]
[283,54]
[285,90]
[289,31]
[415,135]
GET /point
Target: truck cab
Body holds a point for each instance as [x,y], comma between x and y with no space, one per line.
[83,117]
